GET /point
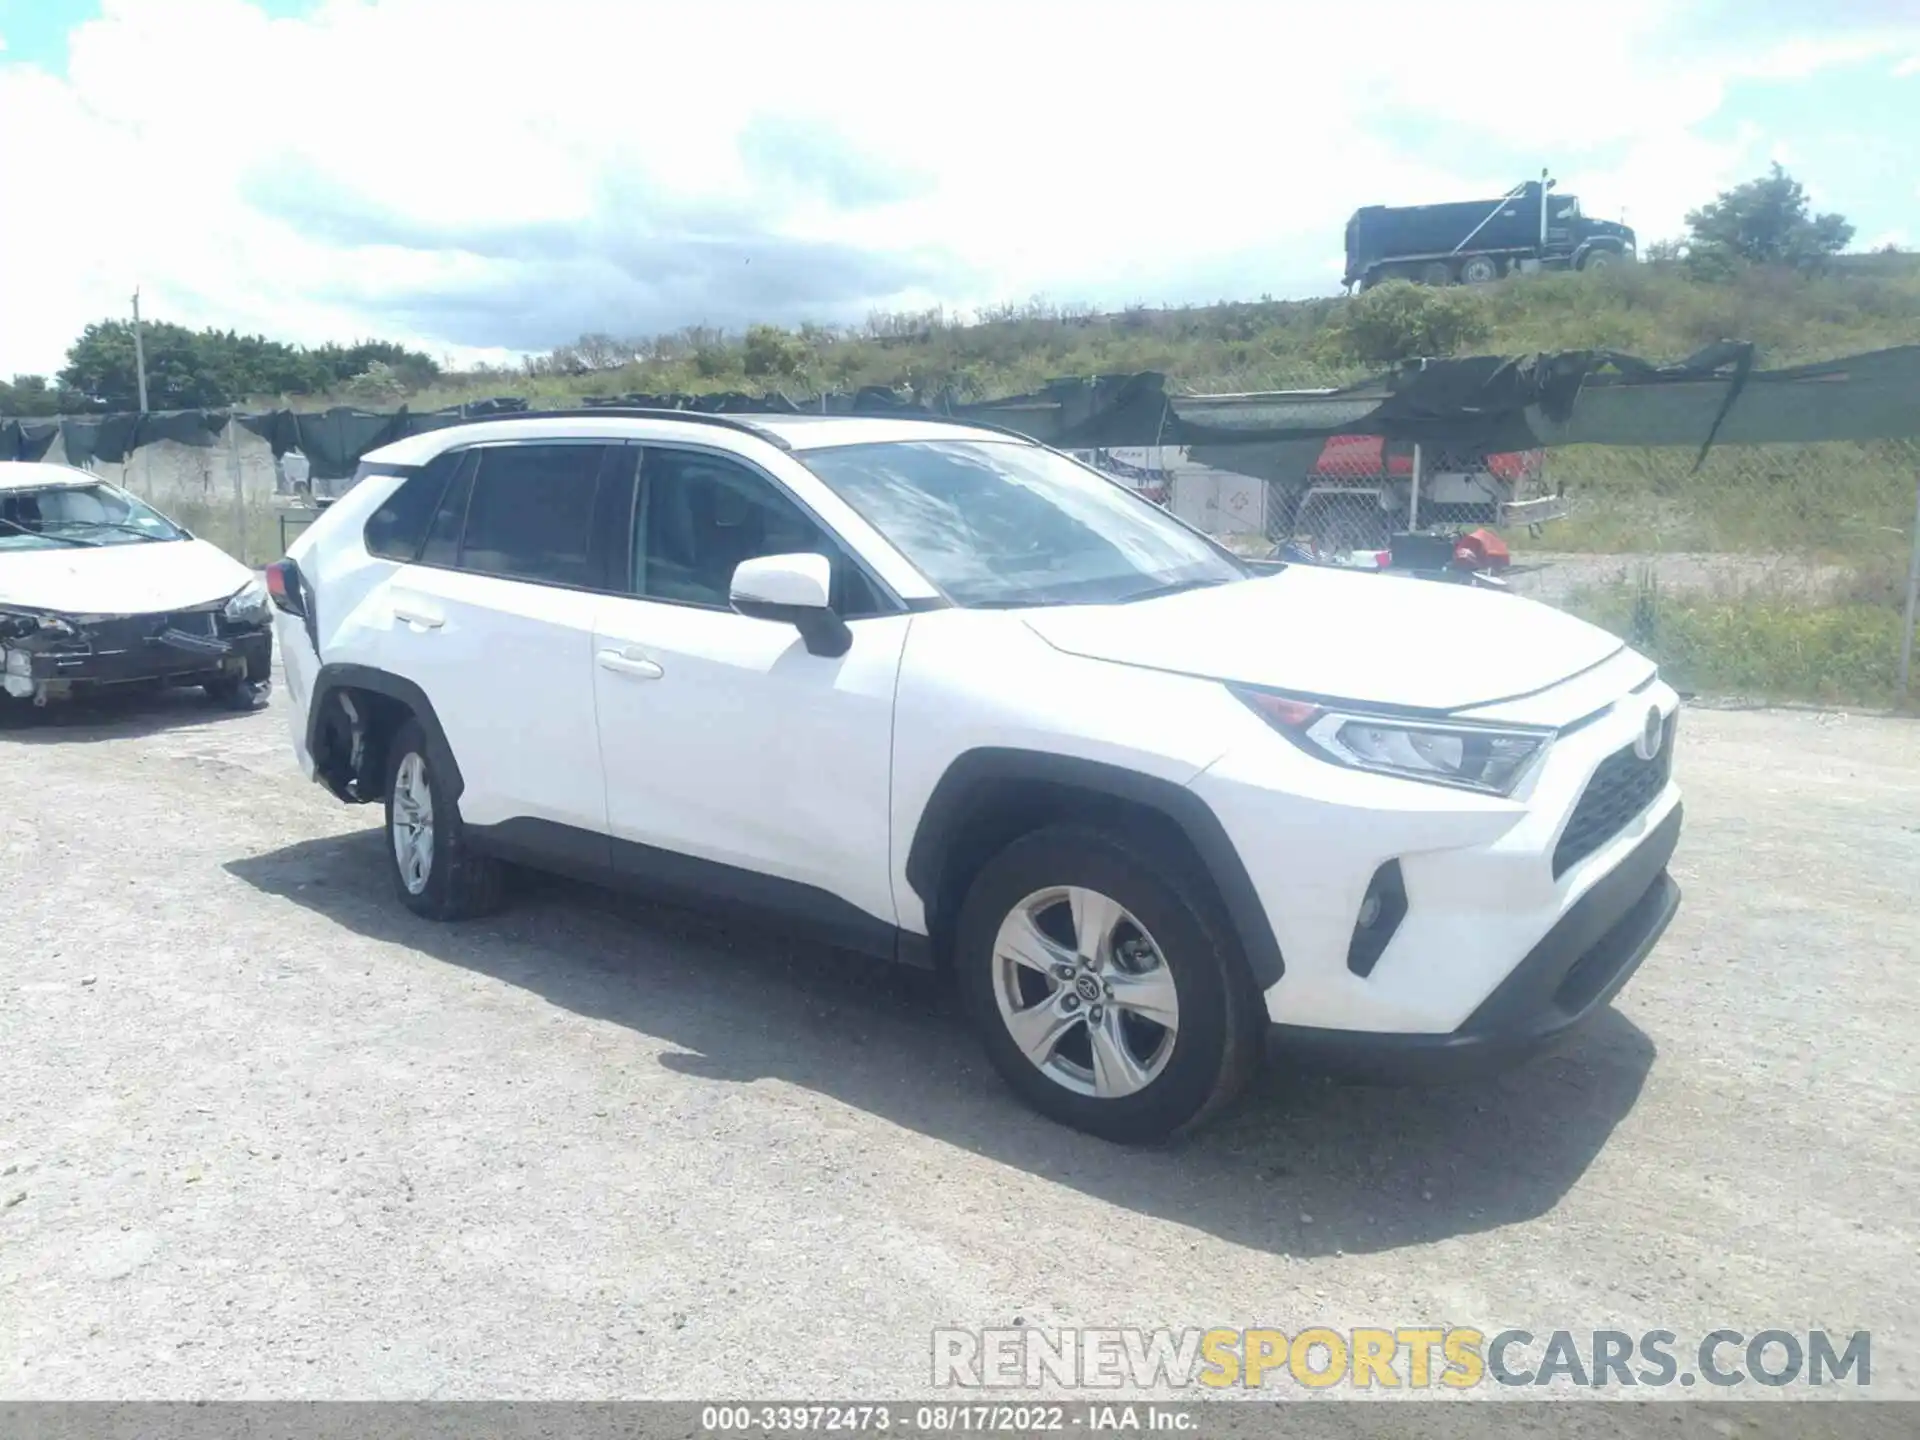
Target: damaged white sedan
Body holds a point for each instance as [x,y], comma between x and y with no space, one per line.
[99,589]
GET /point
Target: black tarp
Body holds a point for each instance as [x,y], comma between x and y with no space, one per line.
[1492,403]
[27,439]
[114,437]
[334,440]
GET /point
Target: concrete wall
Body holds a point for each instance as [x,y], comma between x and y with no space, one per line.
[169,473]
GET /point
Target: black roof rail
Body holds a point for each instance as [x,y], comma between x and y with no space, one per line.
[742,421]
[634,412]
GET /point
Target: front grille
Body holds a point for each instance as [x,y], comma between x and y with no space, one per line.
[1622,787]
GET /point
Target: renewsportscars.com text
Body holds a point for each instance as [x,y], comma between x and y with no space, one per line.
[1415,1358]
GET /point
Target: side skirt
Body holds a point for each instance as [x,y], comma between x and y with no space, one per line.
[704,885]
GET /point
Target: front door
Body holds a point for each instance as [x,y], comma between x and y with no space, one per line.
[737,762]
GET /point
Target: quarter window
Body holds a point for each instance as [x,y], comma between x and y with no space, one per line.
[394,530]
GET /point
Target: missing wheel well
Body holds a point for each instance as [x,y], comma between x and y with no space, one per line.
[351,736]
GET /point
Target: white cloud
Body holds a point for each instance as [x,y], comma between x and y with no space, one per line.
[456,174]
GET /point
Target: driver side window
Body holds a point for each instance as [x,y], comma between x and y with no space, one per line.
[697,516]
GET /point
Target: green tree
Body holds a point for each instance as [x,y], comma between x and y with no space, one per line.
[35,395]
[1767,221]
[179,374]
[189,368]
[411,368]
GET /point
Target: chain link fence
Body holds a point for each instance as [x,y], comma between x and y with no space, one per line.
[1769,572]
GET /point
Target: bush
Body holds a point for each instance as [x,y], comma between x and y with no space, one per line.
[770,352]
[1399,321]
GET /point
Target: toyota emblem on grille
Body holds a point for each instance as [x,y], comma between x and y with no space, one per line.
[1647,745]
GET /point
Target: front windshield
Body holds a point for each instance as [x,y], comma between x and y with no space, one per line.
[73,515]
[999,523]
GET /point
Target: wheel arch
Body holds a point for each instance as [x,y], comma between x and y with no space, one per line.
[989,797]
[348,741]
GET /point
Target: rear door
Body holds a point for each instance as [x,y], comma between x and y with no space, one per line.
[494,620]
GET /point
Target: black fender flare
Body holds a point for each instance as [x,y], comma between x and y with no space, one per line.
[974,774]
[334,678]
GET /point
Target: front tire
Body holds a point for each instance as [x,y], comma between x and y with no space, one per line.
[436,872]
[237,692]
[1104,986]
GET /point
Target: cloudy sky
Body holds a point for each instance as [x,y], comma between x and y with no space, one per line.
[483,178]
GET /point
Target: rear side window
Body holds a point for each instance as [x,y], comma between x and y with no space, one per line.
[530,516]
[395,530]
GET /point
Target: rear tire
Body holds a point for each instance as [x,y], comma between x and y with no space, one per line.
[1437,273]
[436,872]
[1092,1058]
[1480,270]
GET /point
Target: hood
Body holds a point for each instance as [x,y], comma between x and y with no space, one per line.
[1380,639]
[141,578]
[1608,227]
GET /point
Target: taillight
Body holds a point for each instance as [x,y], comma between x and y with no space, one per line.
[283,587]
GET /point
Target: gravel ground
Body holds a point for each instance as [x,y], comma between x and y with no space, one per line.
[264,1134]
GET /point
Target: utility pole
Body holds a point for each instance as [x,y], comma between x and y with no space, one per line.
[139,353]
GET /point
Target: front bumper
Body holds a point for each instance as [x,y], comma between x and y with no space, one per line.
[183,648]
[1575,970]
[1485,884]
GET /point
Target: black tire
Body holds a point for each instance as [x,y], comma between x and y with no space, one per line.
[1217,1047]
[1598,260]
[461,883]
[1480,270]
[237,692]
[1436,272]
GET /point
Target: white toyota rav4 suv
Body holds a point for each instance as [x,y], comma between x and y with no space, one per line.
[945,695]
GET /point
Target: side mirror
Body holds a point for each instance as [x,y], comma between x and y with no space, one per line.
[794,590]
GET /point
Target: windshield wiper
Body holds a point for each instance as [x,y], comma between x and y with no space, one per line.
[18,528]
[1154,592]
[112,525]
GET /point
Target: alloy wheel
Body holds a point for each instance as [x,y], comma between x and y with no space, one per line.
[1085,992]
[413,823]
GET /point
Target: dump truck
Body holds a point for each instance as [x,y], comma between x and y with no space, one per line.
[1474,242]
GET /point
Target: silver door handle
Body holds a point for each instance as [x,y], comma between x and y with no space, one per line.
[630,662]
[422,618]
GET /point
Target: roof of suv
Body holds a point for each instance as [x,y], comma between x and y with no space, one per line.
[789,432]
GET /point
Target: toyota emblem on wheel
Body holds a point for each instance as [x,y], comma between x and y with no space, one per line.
[1651,735]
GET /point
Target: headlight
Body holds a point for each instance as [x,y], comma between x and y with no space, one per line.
[1491,759]
[249,605]
[17,623]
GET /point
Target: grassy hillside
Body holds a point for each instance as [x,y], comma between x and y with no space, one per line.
[1648,310]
